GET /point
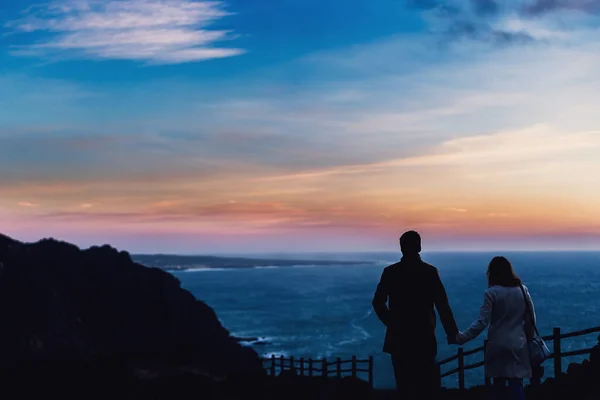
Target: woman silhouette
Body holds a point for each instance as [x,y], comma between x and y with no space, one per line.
[507,358]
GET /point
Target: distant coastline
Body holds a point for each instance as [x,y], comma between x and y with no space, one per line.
[170,262]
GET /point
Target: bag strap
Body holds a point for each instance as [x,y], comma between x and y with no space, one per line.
[528,310]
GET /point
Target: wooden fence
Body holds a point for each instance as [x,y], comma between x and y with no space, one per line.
[321,367]
[324,368]
[557,354]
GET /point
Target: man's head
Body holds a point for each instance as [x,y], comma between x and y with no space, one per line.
[410,243]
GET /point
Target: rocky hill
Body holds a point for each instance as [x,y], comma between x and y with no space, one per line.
[58,302]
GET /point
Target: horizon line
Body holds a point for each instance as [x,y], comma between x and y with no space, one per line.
[266,253]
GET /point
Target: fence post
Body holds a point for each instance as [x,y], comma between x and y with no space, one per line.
[461,369]
[292,365]
[371,371]
[324,368]
[281,364]
[310,367]
[338,367]
[273,365]
[354,366]
[488,382]
[557,353]
[301,366]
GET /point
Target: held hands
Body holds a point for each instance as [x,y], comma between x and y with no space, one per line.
[458,339]
[452,339]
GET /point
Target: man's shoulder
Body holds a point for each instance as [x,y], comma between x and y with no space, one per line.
[429,268]
[421,265]
[392,267]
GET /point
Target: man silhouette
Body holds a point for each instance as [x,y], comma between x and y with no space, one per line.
[412,288]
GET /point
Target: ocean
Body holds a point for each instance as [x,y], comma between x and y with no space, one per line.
[325,310]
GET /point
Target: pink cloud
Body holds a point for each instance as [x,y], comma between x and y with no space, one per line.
[27,204]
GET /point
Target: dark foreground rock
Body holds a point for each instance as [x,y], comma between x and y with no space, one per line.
[69,308]
[102,379]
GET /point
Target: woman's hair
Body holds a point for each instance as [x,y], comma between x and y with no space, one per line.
[500,272]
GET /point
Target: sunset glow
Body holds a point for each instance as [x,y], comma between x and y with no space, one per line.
[304,130]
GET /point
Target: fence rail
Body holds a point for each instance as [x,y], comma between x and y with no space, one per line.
[324,368]
[319,367]
[557,354]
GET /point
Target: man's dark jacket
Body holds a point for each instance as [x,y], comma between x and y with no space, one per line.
[412,288]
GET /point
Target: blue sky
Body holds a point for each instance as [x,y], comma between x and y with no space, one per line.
[267,32]
[248,125]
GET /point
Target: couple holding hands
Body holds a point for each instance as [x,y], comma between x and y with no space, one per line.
[405,299]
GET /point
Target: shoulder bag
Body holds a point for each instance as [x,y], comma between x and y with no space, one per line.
[538,351]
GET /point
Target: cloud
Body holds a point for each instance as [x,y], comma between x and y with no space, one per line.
[540,7]
[220,216]
[486,33]
[87,156]
[498,215]
[493,22]
[156,31]
[472,20]
[27,204]
[537,143]
[458,210]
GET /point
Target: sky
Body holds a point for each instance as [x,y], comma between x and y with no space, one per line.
[186,126]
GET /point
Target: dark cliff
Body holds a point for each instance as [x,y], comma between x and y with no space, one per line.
[58,302]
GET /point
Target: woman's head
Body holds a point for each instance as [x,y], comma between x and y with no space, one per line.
[500,272]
